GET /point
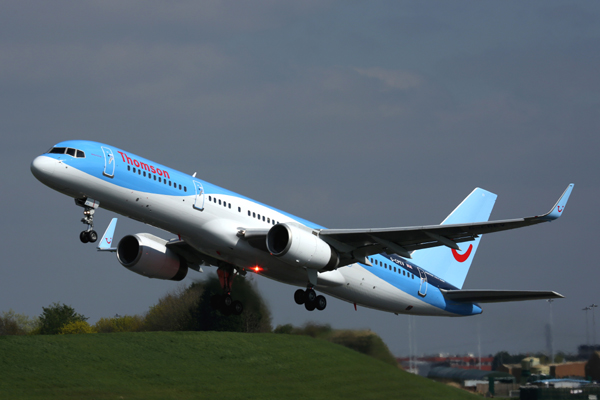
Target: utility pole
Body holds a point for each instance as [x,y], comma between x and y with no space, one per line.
[587,327]
[551,333]
[593,307]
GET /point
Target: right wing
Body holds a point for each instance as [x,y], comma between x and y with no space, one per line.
[356,244]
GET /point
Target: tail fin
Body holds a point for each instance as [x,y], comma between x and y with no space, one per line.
[449,264]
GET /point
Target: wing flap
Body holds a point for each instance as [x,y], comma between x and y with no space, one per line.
[498,296]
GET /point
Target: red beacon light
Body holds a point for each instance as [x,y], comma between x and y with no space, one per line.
[256,269]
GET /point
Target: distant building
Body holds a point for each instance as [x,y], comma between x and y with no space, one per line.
[569,369]
[461,362]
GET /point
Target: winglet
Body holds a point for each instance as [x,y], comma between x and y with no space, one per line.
[559,207]
[107,238]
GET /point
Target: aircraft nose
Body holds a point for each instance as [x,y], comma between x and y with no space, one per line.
[43,167]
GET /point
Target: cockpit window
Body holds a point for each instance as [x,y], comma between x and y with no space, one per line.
[68,150]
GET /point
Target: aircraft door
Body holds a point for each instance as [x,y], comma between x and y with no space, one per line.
[109,162]
[423,287]
[199,203]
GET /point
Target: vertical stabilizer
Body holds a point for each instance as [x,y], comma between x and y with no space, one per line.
[449,264]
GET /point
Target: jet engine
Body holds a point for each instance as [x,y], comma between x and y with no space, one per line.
[147,255]
[297,245]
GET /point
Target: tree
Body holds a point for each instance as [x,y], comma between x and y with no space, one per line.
[173,312]
[12,323]
[56,316]
[256,316]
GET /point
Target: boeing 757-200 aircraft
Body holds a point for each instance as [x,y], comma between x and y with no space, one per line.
[411,270]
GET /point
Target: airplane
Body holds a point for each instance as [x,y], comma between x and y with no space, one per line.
[416,270]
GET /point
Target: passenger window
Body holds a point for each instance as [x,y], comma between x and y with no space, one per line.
[169,183]
[259,216]
[179,187]
[159,179]
[80,154]
[248,212]
[144,174]
[140,172]
[134,170]
[253,215]
[394,269]
[229,205]
[219,202]
[154,177]
[129,168]
[185,188]
[239,209]
[209,198]
[269,220]
[225,204]
[263,218]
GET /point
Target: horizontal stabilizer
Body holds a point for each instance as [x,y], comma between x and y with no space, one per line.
[107,239]
[498,296]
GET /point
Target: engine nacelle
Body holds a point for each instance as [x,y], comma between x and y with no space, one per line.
[298,246]
[147,255]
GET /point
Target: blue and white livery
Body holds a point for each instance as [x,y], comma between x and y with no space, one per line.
[412,270]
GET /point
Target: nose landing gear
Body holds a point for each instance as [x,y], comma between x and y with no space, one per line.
[310,299]
[89,208]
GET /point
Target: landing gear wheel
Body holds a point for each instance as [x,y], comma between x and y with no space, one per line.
[311,296]
[92,236]
[299,296]
[83,236]
[309,305]
[321,303]
[237,307]
[227,300]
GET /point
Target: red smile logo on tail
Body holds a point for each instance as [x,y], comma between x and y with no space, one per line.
[462,257]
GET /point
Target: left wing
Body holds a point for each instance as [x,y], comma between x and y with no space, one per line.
[357,244]
[498,296]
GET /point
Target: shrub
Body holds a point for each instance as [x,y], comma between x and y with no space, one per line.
[76,327]
[365,342]
[56,316]
[287,329]
[126,323]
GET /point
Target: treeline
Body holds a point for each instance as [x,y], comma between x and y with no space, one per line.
[189,309]
[186,309]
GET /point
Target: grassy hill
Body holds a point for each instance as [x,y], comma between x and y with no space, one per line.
[191,365]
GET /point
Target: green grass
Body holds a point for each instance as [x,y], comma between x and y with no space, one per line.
[192,365]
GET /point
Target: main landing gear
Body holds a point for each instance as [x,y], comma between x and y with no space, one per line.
[89,208]
[225,303]
[310,299]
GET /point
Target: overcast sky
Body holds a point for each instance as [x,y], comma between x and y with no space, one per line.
[350,114]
